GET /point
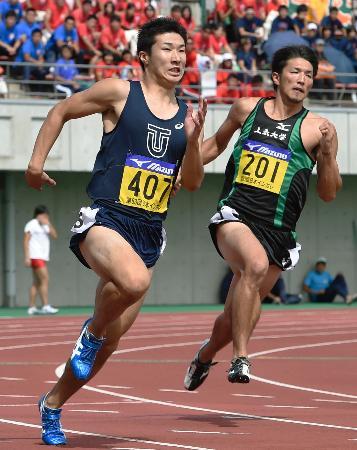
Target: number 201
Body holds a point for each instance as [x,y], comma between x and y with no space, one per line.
[261,168]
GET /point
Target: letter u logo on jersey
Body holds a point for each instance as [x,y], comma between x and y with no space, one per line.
[157,140]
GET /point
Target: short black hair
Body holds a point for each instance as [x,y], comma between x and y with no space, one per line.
[148,32]
[301,8]
[36,30]
[40,209]
[283,55]
[11,13]
[333,9]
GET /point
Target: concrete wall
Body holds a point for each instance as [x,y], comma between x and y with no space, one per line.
[190,270]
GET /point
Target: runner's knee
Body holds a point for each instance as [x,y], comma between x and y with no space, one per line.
[134,286]
[256,271]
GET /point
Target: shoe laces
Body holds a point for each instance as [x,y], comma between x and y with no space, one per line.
[51,422]
[237,363]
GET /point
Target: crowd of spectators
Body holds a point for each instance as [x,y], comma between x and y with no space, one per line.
[76,42]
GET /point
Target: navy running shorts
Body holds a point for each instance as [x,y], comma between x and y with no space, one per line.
[148,240]
[280,246]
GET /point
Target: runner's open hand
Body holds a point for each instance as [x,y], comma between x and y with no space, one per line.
[194,120]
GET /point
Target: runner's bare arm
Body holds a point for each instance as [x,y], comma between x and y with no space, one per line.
[328,177]
[103,96]
[215,145]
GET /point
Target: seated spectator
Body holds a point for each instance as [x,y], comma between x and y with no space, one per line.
[278,294]
[232,89]
[331,21]
[113,38]
[56,13]
[106,14]
[103,71]
[321,287]
[250,27]
[191,79]
[187,20]
[300,21]
[9,40]
[148,14]
[246,61]
[227,15]
[218,43]
[201,40]
[224,69]
[33,51]
[81,14]
[130,20]
[89,42]
[139,5]
[175,13]
[63,34]
[340,42]
[11,5]
[66,72]
[258,88]
[26,26]
[311,33]
[283,22]
[259,6]
[40,7]
[129,64]
[325,78]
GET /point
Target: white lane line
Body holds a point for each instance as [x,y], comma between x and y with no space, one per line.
[21,405]
[152,347]
[105,436]
[42,344]
[291,406]
[18,396]
[253,395]
[114,387]
[12,379]
[333,401]
[184,391]
[132,448]
[94,411]
[204,432]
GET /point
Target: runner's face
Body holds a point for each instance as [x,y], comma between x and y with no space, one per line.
[168,57]
[295,80]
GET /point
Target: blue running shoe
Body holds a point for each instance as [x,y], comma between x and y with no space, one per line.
[52,433]
[84,353]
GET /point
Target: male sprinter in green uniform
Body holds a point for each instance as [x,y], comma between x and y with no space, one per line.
[148,135]
[264,193]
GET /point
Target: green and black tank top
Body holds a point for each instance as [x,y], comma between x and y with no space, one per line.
[268,174]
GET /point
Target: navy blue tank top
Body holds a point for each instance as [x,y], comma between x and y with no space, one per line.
[139,159]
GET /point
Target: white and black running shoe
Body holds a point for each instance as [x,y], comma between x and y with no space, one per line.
[239,371]
[197,372]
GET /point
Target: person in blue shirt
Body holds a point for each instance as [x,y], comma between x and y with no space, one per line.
[66,72]
[322,287]
[26,26]
[65,34]
[9,42]
[283,22]
[33,51]
[11,5]
[331,21]
[300,22]
[248,26]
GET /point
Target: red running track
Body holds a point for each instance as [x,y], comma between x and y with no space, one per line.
[303,395]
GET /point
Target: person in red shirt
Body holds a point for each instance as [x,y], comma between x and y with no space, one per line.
[130,20]
[139,5]
[129,65]
[57,11]
[259,89]
[201,40]
[226,65]
[218,43]
[186,20]
[113,38]
[101,70]
[190,82]
[81,14]
[175,13]
[89,42]
[148,14]
[106,14]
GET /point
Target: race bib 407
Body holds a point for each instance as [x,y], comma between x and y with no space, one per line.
[146,183]
[263,166]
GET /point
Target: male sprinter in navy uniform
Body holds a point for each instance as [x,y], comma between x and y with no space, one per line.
[148,135]
[264,193]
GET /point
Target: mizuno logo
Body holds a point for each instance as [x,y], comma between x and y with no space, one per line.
[253,146]
[178,126]
[140,163]
[282,126]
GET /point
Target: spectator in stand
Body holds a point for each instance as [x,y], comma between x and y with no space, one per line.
[57,11]
[246,61]
[249,26]
[283,22]
[300,21]
[201,40]
[26,26]
[66,72]
[63,34]
[352,37]
[272,5]
[9,40]
[331,20]
[218,44]
[113,38]
[139,5]
[106,14]
[325,78]
[175,13]
[232,89]
[258,88]
[101,69]
[82,13]
[340,42]
[224,69]
[187,20]
[40,7]
[33,51]
[227,16]
[129,64]
[89,42]
[11,5]
[130,20]
[148,14]
[311,33]
[191,79]
[326,34]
